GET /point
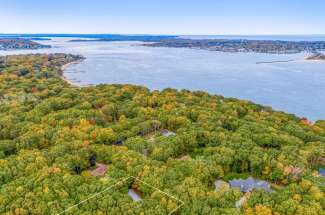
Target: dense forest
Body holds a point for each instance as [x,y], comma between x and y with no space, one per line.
[54,135]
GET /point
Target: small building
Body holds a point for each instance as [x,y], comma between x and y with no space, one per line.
[305,121]
[100,170]
[134,194]
[247,185]
[322,172]
[167,133]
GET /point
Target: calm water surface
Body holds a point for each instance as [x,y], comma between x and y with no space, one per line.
[295,87]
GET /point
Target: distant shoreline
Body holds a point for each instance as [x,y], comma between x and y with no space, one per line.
[9,44]
[276,61]
[243,45]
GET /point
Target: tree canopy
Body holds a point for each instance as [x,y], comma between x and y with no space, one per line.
[51,133]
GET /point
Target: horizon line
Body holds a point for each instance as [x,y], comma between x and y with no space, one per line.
[138,34]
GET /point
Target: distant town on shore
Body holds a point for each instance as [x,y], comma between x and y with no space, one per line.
[238,45]
[222,45]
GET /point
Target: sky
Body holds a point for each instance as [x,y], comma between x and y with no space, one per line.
[180,17]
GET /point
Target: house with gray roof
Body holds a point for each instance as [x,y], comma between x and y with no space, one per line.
[134,195]
[247,185]
[167,133]
[322,172]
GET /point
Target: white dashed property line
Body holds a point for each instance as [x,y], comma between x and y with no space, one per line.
[167,194]
[122,181]
[93,196]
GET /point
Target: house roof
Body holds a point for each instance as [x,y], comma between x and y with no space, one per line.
[167,133]
[133,194]
[247,185]
[322,172]
[100,170]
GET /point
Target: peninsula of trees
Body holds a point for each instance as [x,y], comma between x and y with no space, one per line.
[62,144]
[316,56]
[20,43]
